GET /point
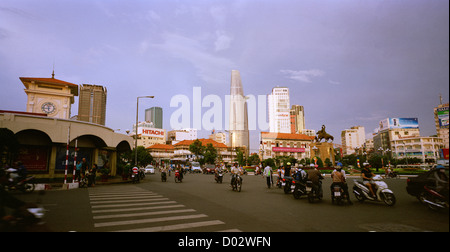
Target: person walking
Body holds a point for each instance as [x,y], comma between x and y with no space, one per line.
[268,175]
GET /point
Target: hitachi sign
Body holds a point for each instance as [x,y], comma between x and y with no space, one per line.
[153,132]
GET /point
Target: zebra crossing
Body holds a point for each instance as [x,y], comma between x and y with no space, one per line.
[133,209]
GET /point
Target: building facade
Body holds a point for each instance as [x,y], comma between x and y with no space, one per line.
[424,148]
[238,127]
[92,104]
[284,144]
[352,139]
[279,110]
[50,96]
[155,116]
[441,120]
[297,117]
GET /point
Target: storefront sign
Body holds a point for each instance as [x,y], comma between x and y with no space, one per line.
[287,149]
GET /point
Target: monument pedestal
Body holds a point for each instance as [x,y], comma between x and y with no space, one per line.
[323,151]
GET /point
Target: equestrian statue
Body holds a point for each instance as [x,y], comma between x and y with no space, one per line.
[322,134]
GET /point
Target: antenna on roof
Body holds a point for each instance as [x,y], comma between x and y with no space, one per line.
[53,73]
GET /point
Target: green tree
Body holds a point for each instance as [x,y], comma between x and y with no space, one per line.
[254,159]
[210,154]
[144,158]
[196,148]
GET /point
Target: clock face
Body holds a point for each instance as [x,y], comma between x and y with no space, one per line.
[48,107]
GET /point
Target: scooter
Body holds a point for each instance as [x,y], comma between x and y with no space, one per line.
[219,177]
[288,185]
[299,189]
[237,183]
[26,185]
[434,200]
[382,192]
[178,177]
[314,191]
[163,176]
[338,196]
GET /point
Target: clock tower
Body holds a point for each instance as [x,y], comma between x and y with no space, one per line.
[50,96]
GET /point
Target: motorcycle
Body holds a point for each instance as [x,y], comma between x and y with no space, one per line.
[314,191]
[178,177]
[163,176]
[337,195]
[299,189]
[382,192]
[433,199]
[26,219]
[135,175]
[288,184]
[237,183]
[219,177]
[25,185]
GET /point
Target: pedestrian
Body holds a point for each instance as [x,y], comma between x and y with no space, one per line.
[92,174]
[268,174]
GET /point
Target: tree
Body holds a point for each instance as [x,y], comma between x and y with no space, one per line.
[196,148]
[144,158]
[240,157]
[254,159]
[9,145]
[210,154]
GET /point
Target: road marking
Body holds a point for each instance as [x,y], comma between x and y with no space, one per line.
[122,198]
[99,217]
[136,204]
[151,220]
[175,227]
[135,209]
[128,201]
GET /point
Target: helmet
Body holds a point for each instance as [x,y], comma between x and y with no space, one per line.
[288,163]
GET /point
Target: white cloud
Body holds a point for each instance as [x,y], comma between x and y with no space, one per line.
[210,68]
[302,75]
[223,41]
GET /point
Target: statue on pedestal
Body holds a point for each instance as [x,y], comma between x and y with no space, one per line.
[322,134]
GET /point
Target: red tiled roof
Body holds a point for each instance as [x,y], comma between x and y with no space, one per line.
[161,147]
[286,136]
[53,81]
[204,142]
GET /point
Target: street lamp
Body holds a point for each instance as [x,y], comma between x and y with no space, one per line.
[136,127]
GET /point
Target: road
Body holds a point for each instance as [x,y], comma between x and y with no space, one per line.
[198,204]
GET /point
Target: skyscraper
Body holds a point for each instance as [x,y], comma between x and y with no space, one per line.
[239,135]
[155,116]
[297,119]
[92,104]
[279,110]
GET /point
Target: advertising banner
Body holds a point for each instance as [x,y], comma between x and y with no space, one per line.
[287,149]
[399,123]
[442,114]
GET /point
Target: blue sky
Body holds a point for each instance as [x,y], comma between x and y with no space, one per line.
[347,62]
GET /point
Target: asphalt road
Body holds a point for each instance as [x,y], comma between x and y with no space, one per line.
[199,204]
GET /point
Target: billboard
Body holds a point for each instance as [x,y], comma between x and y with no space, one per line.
[399,123]
[442,114]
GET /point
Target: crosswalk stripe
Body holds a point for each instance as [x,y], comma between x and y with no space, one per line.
[134,209]
[175,227]
[128,201]
[137,204]
[121,198]
[142,214]
[151,220]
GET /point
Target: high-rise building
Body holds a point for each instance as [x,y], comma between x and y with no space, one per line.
[297,116]
[155,116]
[279,110]
[441,119]
[92,104]
[353,138]
[239,135]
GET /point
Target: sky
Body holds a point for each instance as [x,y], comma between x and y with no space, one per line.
[347,62]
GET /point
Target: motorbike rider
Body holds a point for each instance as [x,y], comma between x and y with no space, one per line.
[287,170]
[338,177]
[234,172]
[7,200]
[367,176]
[315,177]
[442,181]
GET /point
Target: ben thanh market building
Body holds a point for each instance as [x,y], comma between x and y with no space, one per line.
[44,130]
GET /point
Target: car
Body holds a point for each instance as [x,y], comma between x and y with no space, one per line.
[150,169]
[415,185]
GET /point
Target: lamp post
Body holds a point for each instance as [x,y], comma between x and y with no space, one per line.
[136,127]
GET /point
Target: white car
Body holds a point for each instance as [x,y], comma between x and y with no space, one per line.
[150,169]
[196,167]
